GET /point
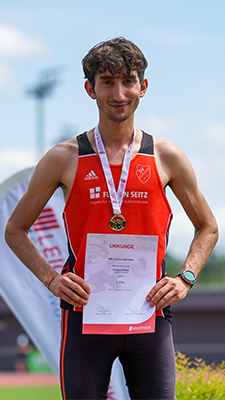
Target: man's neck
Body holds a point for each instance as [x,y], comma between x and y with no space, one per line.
[116,133]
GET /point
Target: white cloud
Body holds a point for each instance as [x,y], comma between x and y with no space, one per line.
[13,160]
[15,43]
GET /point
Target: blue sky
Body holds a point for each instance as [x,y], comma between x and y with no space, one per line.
[184,42]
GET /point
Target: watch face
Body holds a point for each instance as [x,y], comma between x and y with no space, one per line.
[189,275]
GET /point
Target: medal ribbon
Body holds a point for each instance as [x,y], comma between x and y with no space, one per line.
[115,197]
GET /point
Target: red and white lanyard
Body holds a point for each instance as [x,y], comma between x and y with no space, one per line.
[115,197]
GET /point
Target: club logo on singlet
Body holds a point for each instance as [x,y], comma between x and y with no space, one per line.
[95,193]
[143,173]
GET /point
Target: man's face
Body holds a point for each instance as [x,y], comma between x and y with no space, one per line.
[118,95]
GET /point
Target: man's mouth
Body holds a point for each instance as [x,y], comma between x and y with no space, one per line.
[119,106]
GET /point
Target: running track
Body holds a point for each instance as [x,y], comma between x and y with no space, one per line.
[18,379]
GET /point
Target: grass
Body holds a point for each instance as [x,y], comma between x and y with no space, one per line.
[30,393]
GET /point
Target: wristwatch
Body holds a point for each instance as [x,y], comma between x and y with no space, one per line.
[188,276]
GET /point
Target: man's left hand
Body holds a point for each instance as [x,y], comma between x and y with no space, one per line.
[167,291]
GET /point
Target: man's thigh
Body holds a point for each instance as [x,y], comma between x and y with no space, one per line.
[85,360]
[149,363]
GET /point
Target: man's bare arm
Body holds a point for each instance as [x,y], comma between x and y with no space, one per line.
[176,168]
[50,171]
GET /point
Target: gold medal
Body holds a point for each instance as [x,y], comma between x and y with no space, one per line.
[117,222]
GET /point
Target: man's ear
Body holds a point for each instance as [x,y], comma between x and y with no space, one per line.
[144,87]
[89,89]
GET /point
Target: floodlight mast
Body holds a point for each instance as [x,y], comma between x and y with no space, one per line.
[44,88]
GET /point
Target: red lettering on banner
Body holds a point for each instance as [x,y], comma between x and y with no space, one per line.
[44,237]
[58,262]
[47,220]
[52,251]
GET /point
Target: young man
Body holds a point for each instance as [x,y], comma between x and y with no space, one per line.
[115,79]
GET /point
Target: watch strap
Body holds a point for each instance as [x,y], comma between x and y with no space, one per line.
[183,275]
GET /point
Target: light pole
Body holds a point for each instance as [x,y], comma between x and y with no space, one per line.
[44,88]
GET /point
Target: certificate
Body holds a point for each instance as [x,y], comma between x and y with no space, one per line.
[120,271]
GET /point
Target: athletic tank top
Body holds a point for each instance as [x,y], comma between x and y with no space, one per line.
[88,208]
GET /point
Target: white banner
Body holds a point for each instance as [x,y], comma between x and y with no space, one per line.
[33,305]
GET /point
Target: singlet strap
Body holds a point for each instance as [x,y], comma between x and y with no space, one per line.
[85,147]
[147,145]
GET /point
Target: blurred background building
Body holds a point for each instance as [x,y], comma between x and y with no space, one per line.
[198,328]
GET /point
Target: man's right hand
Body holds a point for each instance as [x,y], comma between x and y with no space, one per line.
[71,288]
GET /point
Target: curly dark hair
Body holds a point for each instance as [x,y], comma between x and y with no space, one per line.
[118,55]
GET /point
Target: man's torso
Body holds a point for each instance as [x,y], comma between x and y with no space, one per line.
[88,208]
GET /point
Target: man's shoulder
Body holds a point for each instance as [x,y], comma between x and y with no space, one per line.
[60,158]
[163,147]
[169,159]
[59,164]
[64,150]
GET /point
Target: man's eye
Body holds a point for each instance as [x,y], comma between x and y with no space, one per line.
[106,83]
[128,81]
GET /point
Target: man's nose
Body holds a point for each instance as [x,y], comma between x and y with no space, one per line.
[118,93]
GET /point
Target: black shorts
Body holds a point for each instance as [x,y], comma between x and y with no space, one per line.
[147,359]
